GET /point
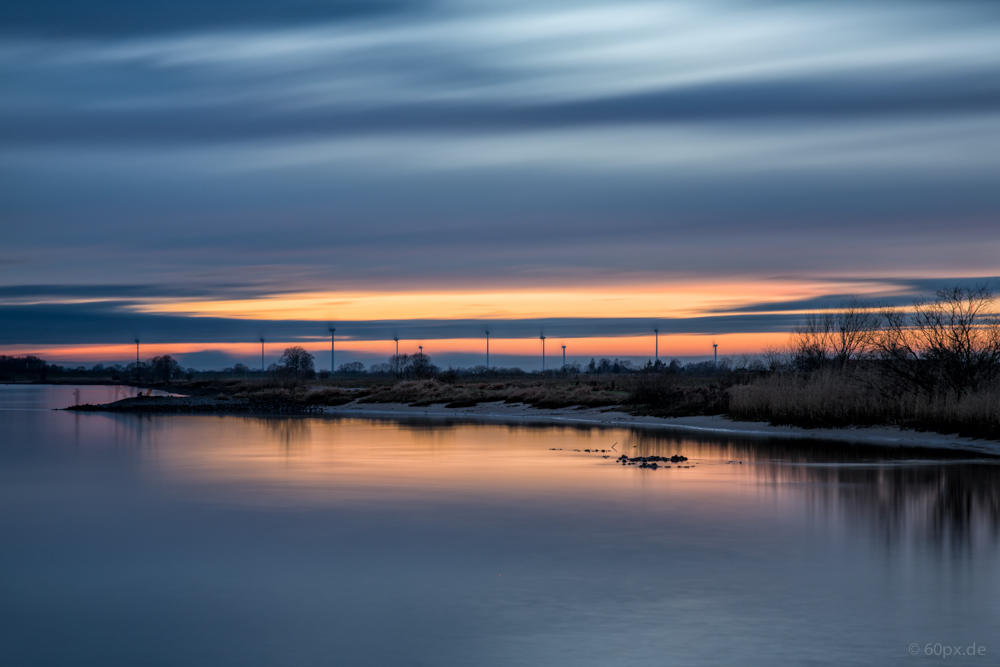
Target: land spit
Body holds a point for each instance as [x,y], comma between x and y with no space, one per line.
[501,412]
[199,405]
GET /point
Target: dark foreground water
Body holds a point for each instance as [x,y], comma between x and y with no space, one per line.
[201,540]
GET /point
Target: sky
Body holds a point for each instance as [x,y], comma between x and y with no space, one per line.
[202,174]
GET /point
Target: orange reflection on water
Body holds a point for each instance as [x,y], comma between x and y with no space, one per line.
[422,463]
[375,461]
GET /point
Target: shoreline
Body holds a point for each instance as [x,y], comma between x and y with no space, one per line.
[192,405]
[883,436]
[520,413]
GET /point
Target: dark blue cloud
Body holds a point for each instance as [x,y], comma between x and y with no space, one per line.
[793,100]
[116,292]
[237,149]
[108,323]
[68,18]
[905,291]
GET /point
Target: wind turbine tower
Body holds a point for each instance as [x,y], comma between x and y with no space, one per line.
[137,351]
[564,357]
[542,337]
[333,338]
[715,348]
[487,349]
[261,355]
[396,338]
[657,332]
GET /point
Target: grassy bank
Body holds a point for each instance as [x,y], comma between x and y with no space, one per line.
[539,393]
[827,398]
[836,399]
[641,394]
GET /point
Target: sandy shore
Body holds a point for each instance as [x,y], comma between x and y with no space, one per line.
[518,413]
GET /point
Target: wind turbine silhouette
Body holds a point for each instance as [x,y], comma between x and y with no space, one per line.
[542,337]
[333,338]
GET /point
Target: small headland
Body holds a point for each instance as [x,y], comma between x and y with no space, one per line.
[642,402]
[200,405]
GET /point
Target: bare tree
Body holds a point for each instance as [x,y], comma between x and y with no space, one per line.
[412,366]
[351,368]
[836,337]
[851,330]
[811,342]
[420,366]
[949,343]
[297,362]
[398,364]
[959,334]
[775,358]
[165,368]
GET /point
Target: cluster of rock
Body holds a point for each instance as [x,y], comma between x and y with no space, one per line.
[650,461]
[200,405]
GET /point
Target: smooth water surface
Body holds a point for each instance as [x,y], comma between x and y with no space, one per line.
[205,540]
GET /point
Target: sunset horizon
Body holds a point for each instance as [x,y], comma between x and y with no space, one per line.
[488,333]
[202,177]
[744,318]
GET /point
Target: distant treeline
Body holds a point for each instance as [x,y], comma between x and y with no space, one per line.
[296,362]
[30,367]
[23,365]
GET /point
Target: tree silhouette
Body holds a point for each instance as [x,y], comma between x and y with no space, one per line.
[297,362]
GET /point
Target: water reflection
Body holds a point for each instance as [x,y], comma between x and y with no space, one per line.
[21,397]
[935,497]
[949,506]
[898,495]
[302,538]
[291,434]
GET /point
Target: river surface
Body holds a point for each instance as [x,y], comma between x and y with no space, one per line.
[229,540]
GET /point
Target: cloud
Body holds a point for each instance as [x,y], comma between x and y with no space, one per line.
[104,323]
[32,293]
[32,315]
[66,18]
[298,146]
[800,100]
[488,69]
[902,292]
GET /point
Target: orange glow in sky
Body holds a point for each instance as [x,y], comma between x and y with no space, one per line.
[671,345]
[675,300]
[682,299]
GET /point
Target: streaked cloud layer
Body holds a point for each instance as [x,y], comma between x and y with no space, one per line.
[183,158]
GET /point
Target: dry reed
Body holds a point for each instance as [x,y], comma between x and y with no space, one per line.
[832,399]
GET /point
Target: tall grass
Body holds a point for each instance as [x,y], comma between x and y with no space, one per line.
[537,394]
[662,395]
[831,398]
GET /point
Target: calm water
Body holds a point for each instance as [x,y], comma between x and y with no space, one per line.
[202,540]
